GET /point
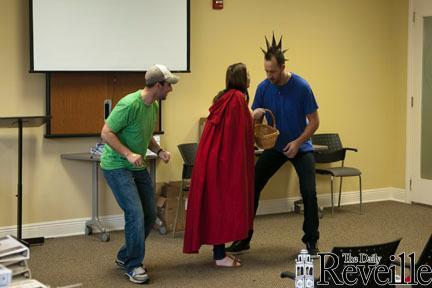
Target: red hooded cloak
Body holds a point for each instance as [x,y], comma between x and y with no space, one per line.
[221,199]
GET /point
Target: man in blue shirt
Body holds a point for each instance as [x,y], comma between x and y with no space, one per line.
[293,104]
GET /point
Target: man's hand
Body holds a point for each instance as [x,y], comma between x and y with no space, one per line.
[291,149]
[165,156]
[135,159]
[258,114]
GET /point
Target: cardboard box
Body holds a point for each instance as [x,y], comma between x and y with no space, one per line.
[167,206]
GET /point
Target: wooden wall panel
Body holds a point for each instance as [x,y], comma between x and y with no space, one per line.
[125,83]
[76,100]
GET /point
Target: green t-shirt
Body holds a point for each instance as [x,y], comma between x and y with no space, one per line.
[133,122]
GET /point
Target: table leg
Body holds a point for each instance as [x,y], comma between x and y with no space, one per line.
[152,171]
[95,222]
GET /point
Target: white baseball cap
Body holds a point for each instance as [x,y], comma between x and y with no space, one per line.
[160,73]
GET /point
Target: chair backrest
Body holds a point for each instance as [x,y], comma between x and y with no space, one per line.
[384,251]
[188,152]
[334,151]
[331,140]
[426,255]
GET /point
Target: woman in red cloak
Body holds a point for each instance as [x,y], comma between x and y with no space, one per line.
[221,198]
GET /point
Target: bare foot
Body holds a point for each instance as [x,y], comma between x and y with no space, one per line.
[228,262]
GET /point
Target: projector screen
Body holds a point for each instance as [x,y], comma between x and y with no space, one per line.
[108,35]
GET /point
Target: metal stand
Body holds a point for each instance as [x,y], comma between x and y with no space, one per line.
[20,122]
[94,222]
[94,225]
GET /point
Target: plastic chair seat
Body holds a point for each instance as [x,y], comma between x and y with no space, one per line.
[340,171]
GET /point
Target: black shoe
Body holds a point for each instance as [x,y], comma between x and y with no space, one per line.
[312,249]
[238,246]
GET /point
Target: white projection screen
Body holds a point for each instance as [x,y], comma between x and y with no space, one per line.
[108,35]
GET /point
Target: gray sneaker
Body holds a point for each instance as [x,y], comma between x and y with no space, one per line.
[138,275]
[120,263]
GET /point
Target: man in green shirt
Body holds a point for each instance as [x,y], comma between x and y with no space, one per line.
[128,132]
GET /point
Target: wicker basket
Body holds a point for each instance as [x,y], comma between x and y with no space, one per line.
[266,135]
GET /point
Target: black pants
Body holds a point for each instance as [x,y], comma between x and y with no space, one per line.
[219,252]
[304,163]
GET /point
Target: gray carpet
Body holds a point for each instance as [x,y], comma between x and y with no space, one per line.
[277,241]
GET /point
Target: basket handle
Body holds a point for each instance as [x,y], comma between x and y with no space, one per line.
[272,116]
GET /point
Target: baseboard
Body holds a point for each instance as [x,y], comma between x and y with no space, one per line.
[72,227]
[63,228]
[283,205]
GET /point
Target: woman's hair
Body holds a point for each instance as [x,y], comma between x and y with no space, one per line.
[236,78]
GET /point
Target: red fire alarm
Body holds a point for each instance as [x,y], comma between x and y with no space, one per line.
[217,4]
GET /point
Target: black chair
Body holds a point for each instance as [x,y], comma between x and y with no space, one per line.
[424,259]
[188,152]
[335,152]
[385,251]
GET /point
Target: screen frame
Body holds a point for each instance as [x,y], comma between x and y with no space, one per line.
[31,48]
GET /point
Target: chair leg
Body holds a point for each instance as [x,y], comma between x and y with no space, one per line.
[360,185]
[340,190]
[331,193]
[179,198]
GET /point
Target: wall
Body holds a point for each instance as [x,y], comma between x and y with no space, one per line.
[353,53]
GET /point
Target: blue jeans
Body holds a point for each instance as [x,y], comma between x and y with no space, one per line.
[134,193]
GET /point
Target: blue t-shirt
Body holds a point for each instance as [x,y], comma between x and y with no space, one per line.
[290,104]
